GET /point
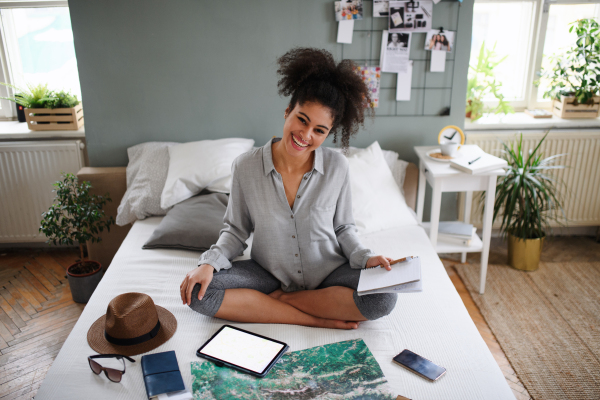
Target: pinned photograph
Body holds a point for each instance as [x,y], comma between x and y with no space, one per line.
[397,40]
[395,49]
[439,39]
[348,10]
[371,76]
[411,16]
[381,8]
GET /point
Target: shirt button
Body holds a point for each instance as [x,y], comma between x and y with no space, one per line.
[293,236]
[299,272]
[296,255]
[292,216]
[298,197]
[306,177]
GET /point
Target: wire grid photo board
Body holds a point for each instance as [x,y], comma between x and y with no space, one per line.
[431,92]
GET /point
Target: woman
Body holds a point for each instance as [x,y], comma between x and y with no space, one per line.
[394,41]
[295,196]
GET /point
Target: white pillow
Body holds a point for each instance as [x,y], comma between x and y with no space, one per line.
[377,201]
[390,156]
[201,165]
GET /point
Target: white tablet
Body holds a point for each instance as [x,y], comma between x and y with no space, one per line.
[245,351]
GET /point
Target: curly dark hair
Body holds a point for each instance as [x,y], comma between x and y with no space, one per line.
[311,75]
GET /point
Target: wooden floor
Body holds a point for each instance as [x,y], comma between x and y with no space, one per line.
[37,314]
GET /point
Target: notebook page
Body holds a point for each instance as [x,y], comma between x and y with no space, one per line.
[377,278]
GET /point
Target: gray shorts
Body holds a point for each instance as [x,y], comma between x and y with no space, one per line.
[248,274]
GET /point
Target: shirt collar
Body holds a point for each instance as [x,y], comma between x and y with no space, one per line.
[268,157]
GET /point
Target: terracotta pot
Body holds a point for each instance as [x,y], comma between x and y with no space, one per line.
[524,254]
[83,285]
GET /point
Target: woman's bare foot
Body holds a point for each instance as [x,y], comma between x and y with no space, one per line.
[277,294]
[336,324]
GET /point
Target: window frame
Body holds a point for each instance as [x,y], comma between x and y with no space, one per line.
[536,51]
[8,110]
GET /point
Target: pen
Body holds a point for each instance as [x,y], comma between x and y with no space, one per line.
[396,261]
[471,162]
[425,11]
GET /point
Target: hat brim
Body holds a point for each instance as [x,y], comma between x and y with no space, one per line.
[97,341]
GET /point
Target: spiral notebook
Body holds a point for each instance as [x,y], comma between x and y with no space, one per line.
[405,277]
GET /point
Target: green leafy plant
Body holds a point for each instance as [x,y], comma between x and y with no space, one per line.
[39,96]
[76,215]
[527,197]
[482,82]
[576,71]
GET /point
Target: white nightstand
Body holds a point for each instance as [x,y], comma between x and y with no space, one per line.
[444,178]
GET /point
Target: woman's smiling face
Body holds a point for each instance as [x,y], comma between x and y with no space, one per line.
[306,128]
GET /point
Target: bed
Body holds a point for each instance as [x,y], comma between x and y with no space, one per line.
[433,323]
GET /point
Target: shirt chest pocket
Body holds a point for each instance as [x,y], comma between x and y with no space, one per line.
[321,223]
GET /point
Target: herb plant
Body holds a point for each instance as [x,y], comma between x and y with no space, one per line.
[39,96]
[576,71]
[482,82]
[527,196]
[76,216]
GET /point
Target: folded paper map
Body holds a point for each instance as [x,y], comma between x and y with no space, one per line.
[339,370]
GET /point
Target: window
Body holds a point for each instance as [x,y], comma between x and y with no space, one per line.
[527,32]
[37,47]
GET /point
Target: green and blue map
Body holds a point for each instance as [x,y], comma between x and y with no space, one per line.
[339,370]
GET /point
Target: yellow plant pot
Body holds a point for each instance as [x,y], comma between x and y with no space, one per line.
[524,254]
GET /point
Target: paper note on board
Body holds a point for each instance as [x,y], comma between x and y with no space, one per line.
[345,30]
[438,60]
[404,83]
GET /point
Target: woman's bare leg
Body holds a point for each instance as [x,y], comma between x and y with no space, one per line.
[335,302]
[248,305]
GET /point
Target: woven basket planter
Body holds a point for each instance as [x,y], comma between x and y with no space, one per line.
[566,109]
[55,119]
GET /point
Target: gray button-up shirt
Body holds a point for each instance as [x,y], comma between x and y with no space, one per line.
[300,246]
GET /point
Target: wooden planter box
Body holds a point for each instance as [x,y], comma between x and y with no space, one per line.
[55,119]
[566,109]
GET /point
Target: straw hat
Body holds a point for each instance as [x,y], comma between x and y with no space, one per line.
[133,324]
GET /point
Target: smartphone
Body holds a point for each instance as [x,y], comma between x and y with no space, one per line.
[419,365]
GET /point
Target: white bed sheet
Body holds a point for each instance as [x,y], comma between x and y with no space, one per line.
[433,323]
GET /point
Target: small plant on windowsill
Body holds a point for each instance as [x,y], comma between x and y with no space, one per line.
[46,109]
[574,76]
[482,82]
[39,96]
[77,217]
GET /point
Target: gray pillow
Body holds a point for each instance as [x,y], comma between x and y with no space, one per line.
[193,224]
[146,175]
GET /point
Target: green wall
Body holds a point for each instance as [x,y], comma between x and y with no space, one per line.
[186,70]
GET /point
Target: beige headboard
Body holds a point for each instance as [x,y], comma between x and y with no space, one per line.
[113,181]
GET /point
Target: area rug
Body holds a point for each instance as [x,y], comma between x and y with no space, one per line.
[547,322]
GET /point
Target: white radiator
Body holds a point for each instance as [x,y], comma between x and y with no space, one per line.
[581,177]
[27,172]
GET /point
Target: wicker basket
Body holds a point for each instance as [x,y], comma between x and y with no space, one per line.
[566,109]
[55,119]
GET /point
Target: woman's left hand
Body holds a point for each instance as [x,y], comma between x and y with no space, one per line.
[379,260]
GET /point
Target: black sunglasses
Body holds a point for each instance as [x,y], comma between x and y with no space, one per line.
[113,375]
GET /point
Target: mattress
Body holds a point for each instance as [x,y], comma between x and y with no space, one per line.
[433,323]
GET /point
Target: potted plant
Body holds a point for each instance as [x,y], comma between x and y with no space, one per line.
[574,76]
[47,110]
[527,197]
[76,217]
[482,82]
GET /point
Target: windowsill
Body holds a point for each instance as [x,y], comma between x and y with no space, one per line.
[19,130]
[520,120]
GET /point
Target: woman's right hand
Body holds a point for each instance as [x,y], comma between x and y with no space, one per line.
[202,275]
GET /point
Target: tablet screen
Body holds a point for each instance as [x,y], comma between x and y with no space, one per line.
[243,349]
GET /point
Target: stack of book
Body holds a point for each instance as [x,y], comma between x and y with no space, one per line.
[456,233]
